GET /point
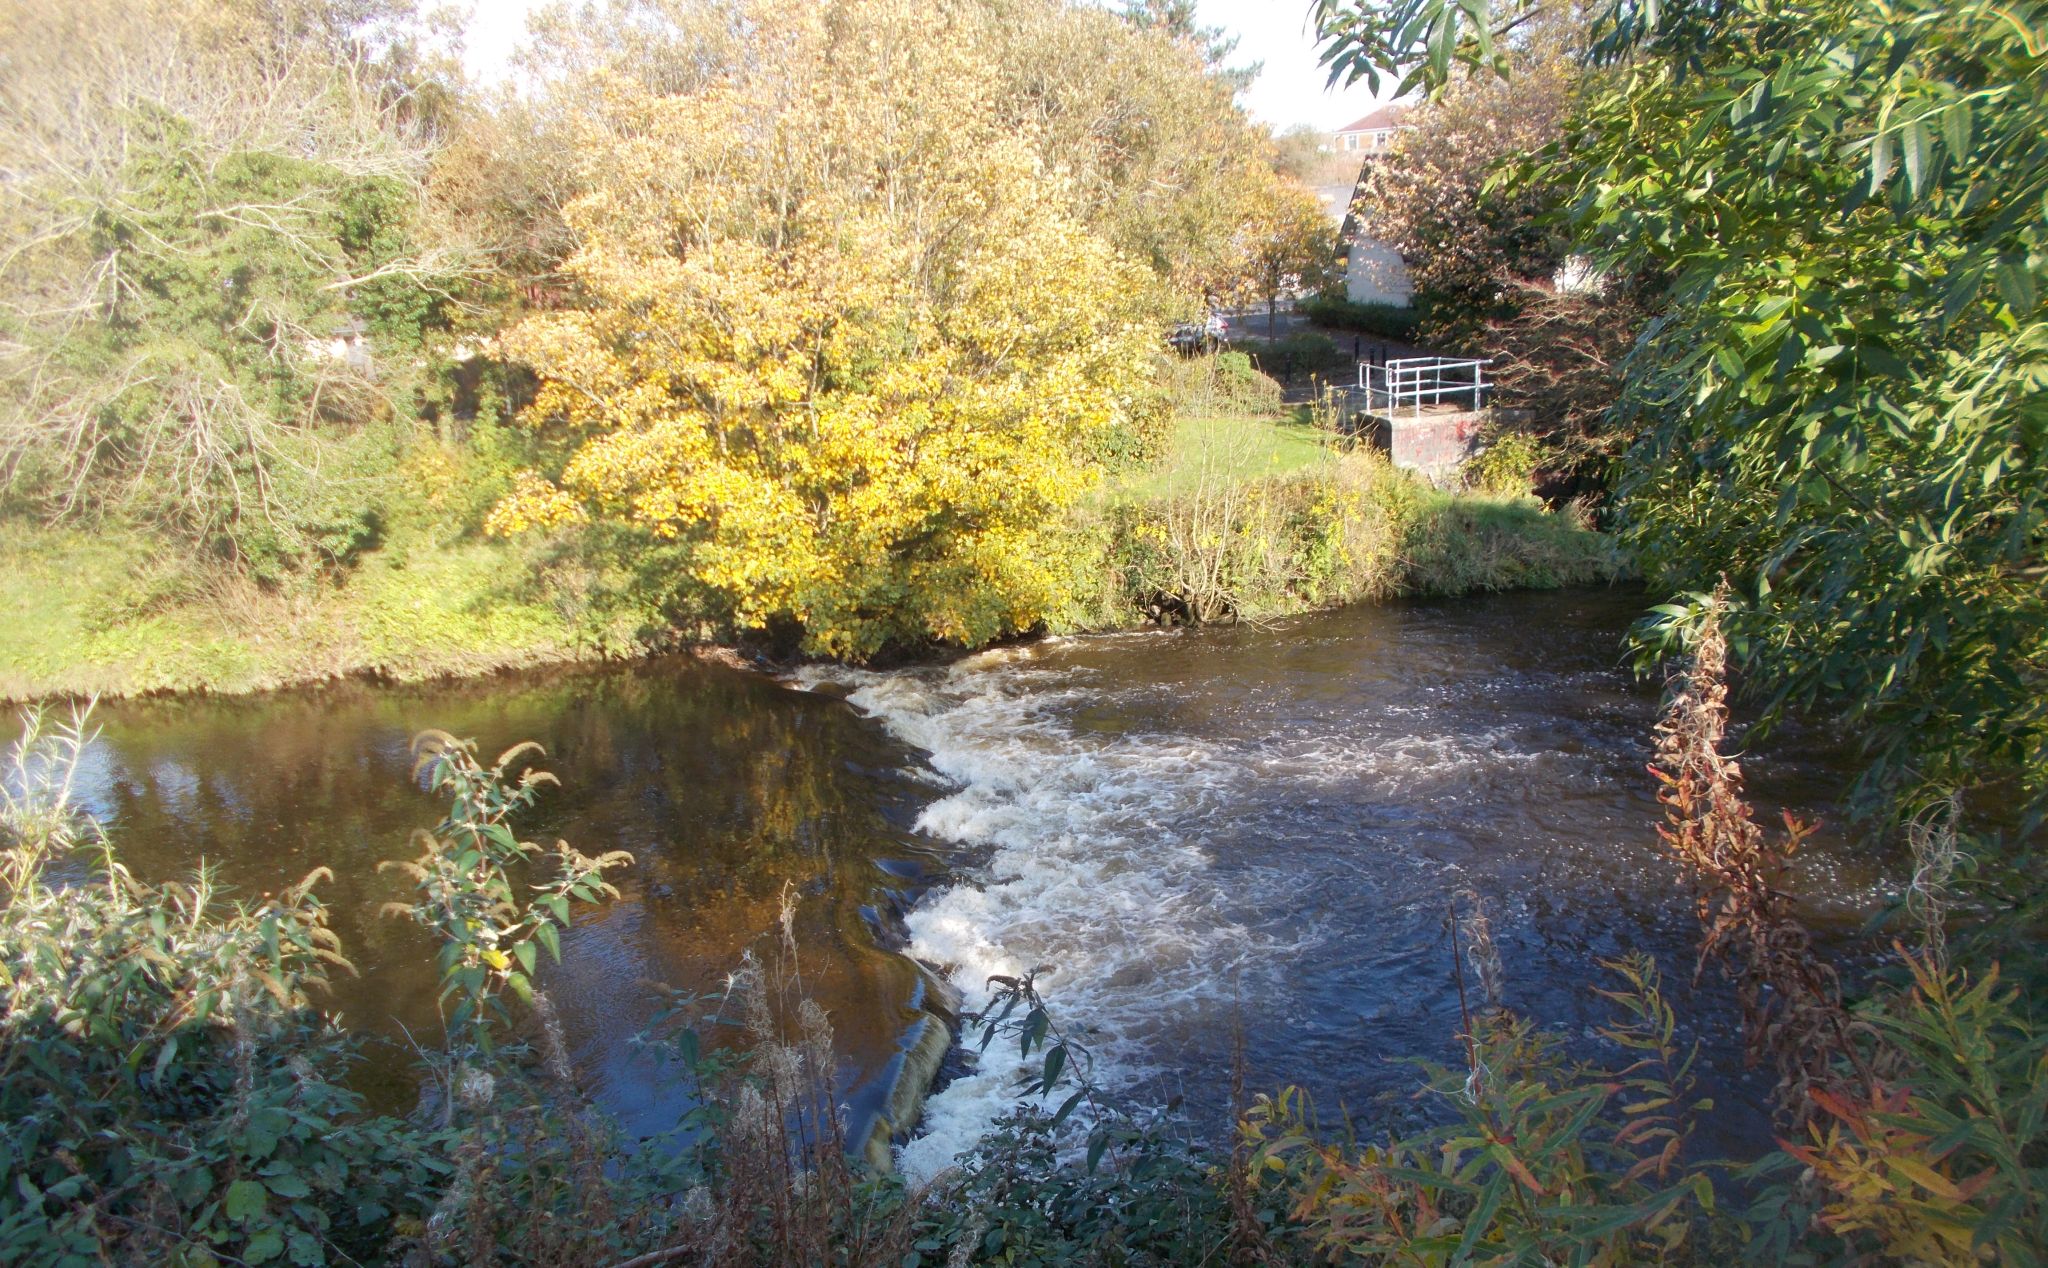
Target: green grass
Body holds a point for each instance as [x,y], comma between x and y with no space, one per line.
[102,613]
[1261,516]
[1235,448]
[1458,543]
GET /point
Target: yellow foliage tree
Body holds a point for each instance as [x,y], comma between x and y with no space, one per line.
[841,332]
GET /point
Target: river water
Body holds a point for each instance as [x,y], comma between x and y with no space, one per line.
[1211,837]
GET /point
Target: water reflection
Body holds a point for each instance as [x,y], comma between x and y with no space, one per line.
[723,786]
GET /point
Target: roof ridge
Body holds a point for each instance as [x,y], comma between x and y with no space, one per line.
[1385,116]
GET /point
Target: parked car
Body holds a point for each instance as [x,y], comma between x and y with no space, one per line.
[1200,336]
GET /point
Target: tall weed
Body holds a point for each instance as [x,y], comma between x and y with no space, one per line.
[168,1089]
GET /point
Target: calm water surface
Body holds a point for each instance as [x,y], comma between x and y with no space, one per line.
[1201,833]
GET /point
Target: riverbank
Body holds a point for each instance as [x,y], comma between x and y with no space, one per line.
[105,613]
[1245,516]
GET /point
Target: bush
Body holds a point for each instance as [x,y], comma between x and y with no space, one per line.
[1306,352]
[1018,1201]
[166,1088]
[1385,320]
[1216,383]
[1227,547]
[1543,1159]
[330,504]
[1506,464]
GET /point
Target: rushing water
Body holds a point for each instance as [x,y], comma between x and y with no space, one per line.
[1205,834]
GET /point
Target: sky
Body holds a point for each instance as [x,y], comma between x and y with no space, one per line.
[1289,88]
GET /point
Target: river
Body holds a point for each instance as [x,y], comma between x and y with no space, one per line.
[1208,836]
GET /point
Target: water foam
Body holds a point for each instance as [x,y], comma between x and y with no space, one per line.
[1086,866]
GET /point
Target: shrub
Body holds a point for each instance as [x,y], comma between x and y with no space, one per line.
[1305,352]
[1543,1159]
[1234,548]
[1018,1200]
[330,495]
[166,1088]
[1507,464]
[1216,383]
[1459,544]
[1385,320]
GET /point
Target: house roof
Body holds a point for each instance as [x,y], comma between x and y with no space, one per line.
[1387,116]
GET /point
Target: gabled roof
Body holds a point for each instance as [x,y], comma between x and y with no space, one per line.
[1387,116]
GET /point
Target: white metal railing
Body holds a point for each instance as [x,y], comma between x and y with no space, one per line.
[1419,381]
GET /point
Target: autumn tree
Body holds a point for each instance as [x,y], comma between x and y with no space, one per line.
[1470,245]
[1139,113]
[1487,252]
[1303,154]
[844,334]
[1290,246]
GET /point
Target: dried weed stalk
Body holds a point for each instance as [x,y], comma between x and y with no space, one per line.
[1791,1000]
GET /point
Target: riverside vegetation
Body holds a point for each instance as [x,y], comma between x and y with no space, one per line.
[1822,228]
[824,337]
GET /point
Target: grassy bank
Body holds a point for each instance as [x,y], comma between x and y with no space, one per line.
[85,613]
[1251,515]
[1249,512]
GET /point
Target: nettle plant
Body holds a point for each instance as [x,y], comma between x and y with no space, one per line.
[467,877]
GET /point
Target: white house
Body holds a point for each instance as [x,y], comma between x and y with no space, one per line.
[1374,272]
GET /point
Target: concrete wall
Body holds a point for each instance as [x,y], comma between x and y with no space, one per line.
[1434,444]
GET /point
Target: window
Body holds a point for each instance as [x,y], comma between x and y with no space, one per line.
[1351,140]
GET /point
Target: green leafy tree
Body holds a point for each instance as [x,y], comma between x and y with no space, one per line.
[221,267]
[1841,409]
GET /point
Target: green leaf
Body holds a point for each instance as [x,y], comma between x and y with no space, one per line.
[244,1201]
[263,1247]
[263,1130]
[1055,1063]
[288,1185]
[1919,155]
[1955,129]
[1482,1215]
[165,1055]
[306,1250]
[2016,286]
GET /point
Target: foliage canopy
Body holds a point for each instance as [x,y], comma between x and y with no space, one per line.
[1842,410]
[844,332]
